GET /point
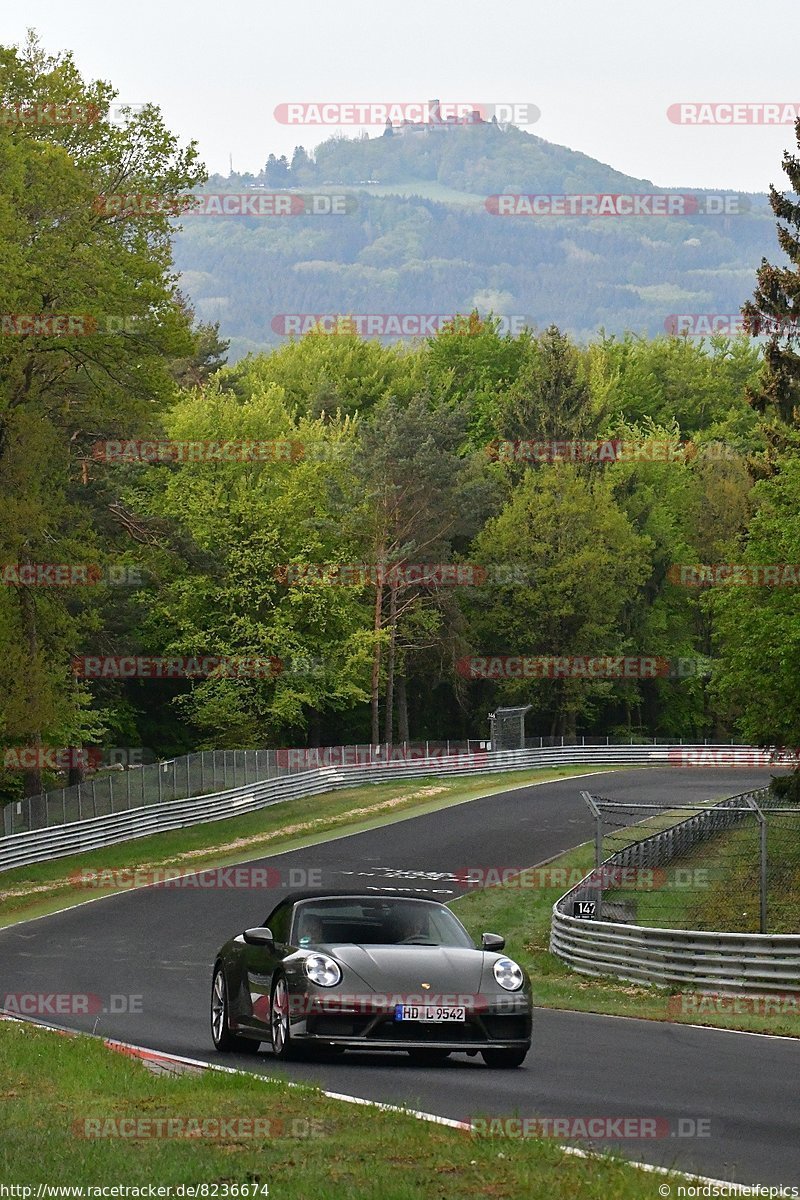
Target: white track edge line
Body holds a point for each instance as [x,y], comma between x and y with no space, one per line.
[432,1118]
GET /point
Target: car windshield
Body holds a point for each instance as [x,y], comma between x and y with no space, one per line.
[376,923]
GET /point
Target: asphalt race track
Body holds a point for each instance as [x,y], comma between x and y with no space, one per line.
[580,1065]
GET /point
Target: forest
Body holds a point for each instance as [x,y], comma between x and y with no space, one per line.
[341,539]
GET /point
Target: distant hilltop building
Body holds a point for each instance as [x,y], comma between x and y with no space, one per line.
[436,123]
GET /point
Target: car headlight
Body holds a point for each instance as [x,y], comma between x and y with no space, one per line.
[322,969]
[508,974]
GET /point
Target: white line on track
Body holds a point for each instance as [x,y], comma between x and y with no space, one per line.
[148,1055]
[317,841]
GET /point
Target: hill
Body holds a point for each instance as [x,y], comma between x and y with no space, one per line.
[417,238]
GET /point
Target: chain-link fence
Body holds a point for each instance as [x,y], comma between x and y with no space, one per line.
[197,775]
[637,739]
[730,865]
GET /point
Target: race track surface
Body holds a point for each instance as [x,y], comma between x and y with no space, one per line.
[158,943]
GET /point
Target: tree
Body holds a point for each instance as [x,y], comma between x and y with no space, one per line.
[71,256]
[234,530]
[414,487]
[276,172]
[775,307]
[758,627]
[551,397]
[585,563]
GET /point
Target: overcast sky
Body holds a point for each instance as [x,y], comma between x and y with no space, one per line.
[603,76]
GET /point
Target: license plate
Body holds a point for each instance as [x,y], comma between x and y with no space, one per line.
[428,1012]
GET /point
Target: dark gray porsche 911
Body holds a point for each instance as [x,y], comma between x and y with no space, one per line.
[337,971]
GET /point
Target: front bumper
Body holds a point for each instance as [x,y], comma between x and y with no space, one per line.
[503,1025]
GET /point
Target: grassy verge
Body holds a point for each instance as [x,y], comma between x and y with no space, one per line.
[47,887]
[523,913]
[314,1146]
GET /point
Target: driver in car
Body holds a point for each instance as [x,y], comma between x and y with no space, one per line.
[310,931]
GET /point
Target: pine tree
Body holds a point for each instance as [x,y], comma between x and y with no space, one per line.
[775,307]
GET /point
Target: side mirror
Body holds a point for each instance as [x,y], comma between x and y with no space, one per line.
[493,941]
[260,936]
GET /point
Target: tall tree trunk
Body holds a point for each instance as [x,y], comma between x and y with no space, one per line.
[388,718]
[376,666]
[402,707]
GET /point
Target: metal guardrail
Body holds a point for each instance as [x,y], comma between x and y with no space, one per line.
[39,845]
[119,788]
[647,954]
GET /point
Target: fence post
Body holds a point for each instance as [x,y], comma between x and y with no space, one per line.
[598,849]
[762,854]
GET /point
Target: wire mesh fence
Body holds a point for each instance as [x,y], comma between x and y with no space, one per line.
[731,865]
[197,775]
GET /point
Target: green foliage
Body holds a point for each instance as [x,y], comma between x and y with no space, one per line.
[758,628]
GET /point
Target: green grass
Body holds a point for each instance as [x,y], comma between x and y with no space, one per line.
[44,888]
[723,889]
[49,1083]
[716,885]
[523,916]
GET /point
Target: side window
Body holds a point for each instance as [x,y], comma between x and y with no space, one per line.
[279,923]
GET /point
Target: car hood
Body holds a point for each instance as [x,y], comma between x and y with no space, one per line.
[406,968]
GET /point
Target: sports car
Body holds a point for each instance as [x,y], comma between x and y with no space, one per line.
[336,971]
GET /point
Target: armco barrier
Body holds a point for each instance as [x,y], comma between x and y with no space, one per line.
[22,849]
[645,954]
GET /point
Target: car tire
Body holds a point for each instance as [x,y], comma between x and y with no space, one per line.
[223,1039]
[505,1058]
[280,1026]
[423,1057]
